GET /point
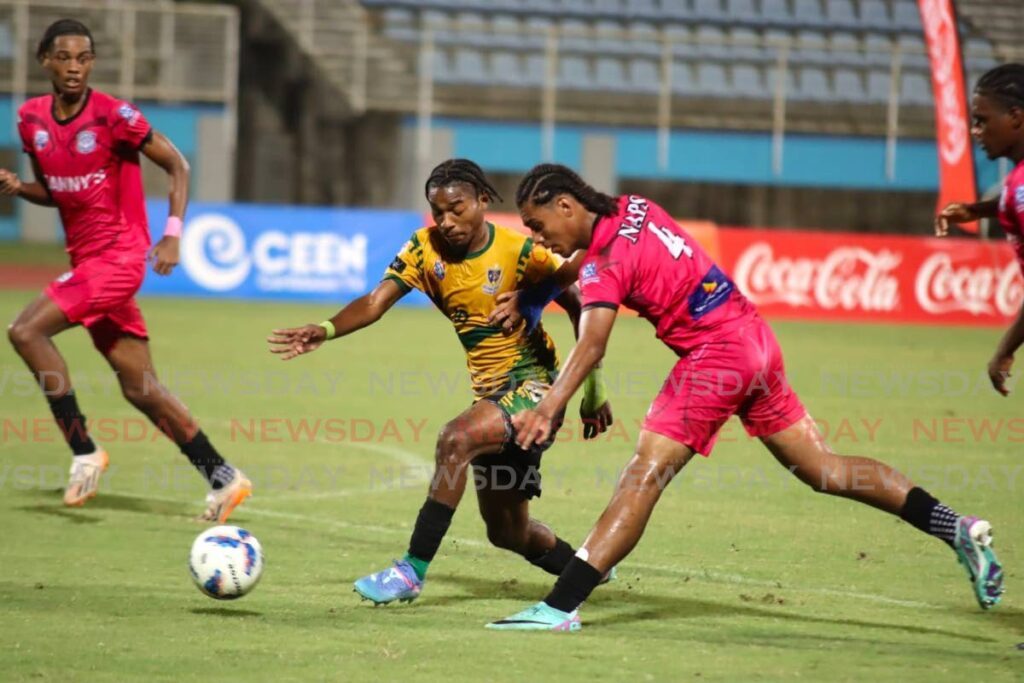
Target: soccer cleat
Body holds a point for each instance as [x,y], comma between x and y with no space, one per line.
[609,576]
[540,617]
[84,480]
[973,545]
[220,503]
[398,582]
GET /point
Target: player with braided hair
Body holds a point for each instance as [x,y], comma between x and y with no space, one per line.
[462,263]
[729,364]
[998,125]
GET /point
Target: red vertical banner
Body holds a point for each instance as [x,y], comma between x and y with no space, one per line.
[957,181]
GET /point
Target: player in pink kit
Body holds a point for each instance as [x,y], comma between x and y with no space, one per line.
[729,364]
[998,125]
[84,147]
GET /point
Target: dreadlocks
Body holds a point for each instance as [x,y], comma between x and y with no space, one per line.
[1005,83]
[546,181]
[461,171]
[62,27]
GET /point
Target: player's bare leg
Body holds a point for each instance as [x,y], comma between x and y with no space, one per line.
[131,360]
[803,450]
[510,527]
[31,334]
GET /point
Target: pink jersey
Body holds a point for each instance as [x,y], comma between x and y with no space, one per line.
[1011,211]
[640,257]
[91,166]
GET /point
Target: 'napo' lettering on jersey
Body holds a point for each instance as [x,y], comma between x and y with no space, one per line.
[75,183]
[633,221]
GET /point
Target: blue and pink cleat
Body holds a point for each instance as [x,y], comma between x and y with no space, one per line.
[973,545]
[398,582]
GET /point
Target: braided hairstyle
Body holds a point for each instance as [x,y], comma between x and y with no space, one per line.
[546,181]
[461,171]
[62,27]
[1005,84]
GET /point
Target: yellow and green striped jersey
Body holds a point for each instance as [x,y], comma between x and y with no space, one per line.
[464,290]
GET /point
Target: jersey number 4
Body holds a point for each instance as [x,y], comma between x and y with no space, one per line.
[675,244]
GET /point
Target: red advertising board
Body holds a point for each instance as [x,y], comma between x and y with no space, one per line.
[838,276]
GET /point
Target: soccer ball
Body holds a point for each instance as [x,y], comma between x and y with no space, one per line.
[226,562]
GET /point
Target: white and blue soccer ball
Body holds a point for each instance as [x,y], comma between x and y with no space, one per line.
[226,562]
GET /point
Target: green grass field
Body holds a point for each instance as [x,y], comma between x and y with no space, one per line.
[744,575]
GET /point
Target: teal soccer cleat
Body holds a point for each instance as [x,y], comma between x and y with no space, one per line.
[398,582]
[973,545]
[540,617]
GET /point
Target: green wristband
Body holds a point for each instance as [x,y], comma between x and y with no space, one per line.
[594,393]
[328,328]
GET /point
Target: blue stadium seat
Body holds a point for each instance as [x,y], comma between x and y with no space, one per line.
[878,50]
[776,12]
[643,9]
[741,11]
[811,48]
[914,54]
[845,50]
[506,31]
[748,82]
[644,39]
[813,84]
[708,10]
[808,13]
[472,30]
[711,43]
[979,54]
[610,74]
[840,13]
[609,38]
[398,24]
[774,39]
[574,73]
[579,7]
[906,16]
[916,88]
[874,14]
[644,75]
[534,69]
[574,35]
[711,78]
[506,69]
[787,78]
[676,10]
[682,40]
[878,86]
[682,78]
[612,8]
[469,66]
[745,45]
[849,86]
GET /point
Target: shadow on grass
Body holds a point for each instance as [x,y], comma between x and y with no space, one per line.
[103,501]
[225,612]
[652,607]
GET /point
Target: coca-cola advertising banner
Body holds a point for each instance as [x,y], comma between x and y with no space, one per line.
[834,276]
[952,128]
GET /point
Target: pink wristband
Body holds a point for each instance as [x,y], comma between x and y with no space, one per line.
[173,227]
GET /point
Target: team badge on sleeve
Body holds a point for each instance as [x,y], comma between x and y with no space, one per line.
[128,113]
[41,139]
[1018,199]
[589,272]
[85,142]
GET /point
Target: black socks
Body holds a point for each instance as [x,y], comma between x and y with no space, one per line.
[72,423]
[929,515]
[555,560]
[574,586]
[205,458]
[431,525]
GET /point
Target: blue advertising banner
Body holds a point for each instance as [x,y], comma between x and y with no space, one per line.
[251,251]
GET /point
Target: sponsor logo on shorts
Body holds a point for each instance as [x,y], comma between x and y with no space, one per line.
[85,142]
[41,139]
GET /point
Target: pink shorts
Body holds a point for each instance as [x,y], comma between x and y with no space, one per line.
[743,375]
[99,294]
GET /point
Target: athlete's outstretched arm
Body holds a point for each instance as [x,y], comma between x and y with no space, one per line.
[527,304]
[1002,360]
[37,192]
[964,213]
[164,154]
[534,426]
[364,311]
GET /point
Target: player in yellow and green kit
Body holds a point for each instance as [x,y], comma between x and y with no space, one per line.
[462,263]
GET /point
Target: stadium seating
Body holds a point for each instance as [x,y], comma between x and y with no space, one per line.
[838,49]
